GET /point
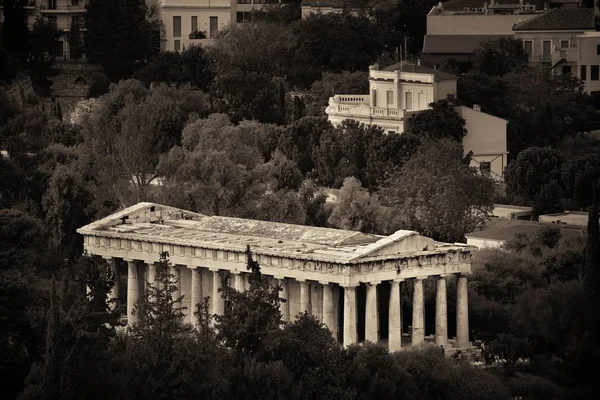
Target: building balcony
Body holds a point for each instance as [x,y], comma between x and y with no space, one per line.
[357,106]
[564,54]
[63,8]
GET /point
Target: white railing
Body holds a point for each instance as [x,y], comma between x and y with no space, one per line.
[350,98]
[363,110]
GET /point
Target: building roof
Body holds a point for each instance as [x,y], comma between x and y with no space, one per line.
[459,5]
[455,44]
[406,66]
[501,229]
[560,19]
[151,222]
[323,3]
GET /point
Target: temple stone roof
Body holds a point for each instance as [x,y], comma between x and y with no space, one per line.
[162,224]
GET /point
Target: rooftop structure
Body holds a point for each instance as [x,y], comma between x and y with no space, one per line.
[579,218]
[559,19]
[497,231]
[317,267]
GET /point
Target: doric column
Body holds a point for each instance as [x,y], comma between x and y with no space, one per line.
[462,311]
[239,281]
[218,304]
[372,314]
[350,336]
[328,306]
[133,291]
[395,317]
[151,273]
[441,313]
[113,295]
[284,307]
[196,295]
[174,270]
[418,317]
[304,296]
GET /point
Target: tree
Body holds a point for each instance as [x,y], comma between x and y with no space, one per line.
[591,268]
[250,316]
[14,29]
[331,84]
[43,48]
[437,195]
[499,57]
[438,122]
[581,179]
[23,260]
[75,40]
[121,35]
[358,210]
[126,134]
[300,138]
[284,171]
[190,66]
[534,177]
[66,205]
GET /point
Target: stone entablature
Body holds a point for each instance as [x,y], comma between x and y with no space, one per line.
[319,269]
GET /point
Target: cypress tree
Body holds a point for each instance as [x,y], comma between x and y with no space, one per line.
[51,370]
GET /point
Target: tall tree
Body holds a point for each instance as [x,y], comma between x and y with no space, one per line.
[534,178]
[499,57]
[437,195]
[14,28]
[44,47]
[121,35]
[440,121]
[250,316]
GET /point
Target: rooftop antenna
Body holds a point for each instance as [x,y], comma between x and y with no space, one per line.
[401,62]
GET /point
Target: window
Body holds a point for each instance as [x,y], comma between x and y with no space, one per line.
[409,104]
[583,76]
[598,49]
[564,44]
[194,24]
[374,97]
[214,26]
[594,72]
[244,1]
[390,97]
[566,70]
[242,16]
[528,45]
[51,4]
[485,167]
[177,45]
[75,3]
[176,26]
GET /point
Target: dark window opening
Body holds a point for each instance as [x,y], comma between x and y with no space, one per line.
[583,76]
[594,73]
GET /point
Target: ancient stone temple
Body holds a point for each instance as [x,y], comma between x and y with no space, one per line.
[351,281]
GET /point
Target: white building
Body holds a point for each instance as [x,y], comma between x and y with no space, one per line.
[182,18]
[399,91]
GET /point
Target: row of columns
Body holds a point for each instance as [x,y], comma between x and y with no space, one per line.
[135,287]
[418,314]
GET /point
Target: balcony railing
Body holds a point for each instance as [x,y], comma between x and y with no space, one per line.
[350,99]
[362,109]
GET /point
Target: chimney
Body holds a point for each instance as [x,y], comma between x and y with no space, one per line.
[476,107]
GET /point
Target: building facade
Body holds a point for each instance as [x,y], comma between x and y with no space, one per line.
[399,91]
[190,22]
[329,273]
[566,41]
